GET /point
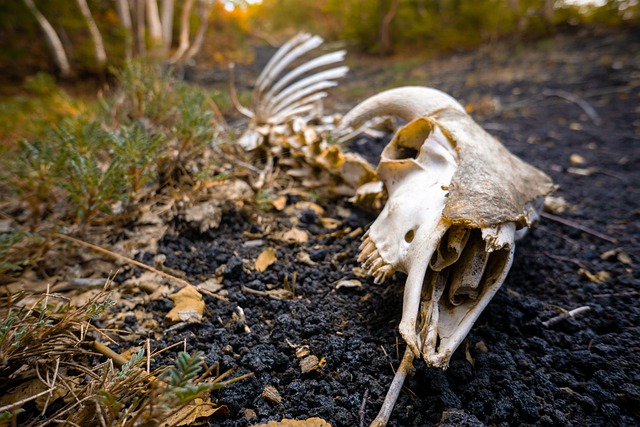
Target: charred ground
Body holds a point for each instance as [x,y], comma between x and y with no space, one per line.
[512,370]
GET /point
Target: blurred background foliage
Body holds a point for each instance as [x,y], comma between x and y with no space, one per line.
[156,28]
[55,56]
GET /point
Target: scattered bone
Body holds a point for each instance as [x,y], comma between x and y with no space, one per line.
[565,315]
[287,122]
[346,283]
[278,98]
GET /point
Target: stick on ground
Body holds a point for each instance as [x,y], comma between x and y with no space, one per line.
[394,390]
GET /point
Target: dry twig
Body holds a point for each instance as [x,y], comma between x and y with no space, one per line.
[130,261]
[565,315]
[577,226]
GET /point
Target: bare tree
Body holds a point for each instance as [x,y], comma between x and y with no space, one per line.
[122,6]
[98,44]
[52,39]
[198,40]
[166,17]
[139,27]
[183,42]
[385,25]
[153,23]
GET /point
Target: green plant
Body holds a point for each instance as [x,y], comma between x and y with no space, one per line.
[50,342]
[137,149]
[18,249]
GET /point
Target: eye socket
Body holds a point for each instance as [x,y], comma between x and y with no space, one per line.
[409,236]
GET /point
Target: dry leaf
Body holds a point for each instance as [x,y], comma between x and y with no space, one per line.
[280,203]
[190,414]
[211,285]
[295,235]
[310,422]
[599,277]
[265,259]
[330,223]
[205,215]
[302,351]
[619,254]
[309,206]
[577,159]
[305,258]
[480,345]
[189,306]
[309,363]
[467,353]
[271,394]
[29,389]
[556,205]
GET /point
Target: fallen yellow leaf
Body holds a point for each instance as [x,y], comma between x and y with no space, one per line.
[279,203]
[194,413]
[311,422]
[189,306]
[295,235]
[265,259]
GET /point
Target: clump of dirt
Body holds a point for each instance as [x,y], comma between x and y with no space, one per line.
[568,106]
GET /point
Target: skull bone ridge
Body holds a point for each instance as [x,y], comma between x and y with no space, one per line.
[457,202]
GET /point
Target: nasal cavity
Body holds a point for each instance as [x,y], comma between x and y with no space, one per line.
[409,236]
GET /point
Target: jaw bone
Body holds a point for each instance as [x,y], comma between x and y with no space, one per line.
[457,200]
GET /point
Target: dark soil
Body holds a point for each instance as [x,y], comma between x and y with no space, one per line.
[580,371]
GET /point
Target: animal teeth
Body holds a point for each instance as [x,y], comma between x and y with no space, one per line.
[375,265]
[367,247]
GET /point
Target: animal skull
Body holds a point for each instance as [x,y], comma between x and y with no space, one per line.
[457,202]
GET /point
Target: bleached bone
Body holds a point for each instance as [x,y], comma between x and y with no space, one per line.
[299,91]
[457,200]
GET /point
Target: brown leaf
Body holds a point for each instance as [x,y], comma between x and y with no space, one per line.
[599,277]
[280,203]
[189,306]
[271,394]
[265,259]
[295,235]
[194,414]
[309,363]
[330,223]
[310,422]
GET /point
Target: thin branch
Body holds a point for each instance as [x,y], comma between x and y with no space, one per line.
[586,107]
[575,225]
[19,403]
[130,261]
[565,315]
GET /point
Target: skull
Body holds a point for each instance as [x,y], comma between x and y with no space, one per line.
[457,202]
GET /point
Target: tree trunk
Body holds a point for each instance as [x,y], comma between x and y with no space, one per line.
[386,45]
[166,17]
[139,27]
[98,44]
[548,13]
[52,39]
[198,40]
[183,44]
[122,6]
[153,23]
